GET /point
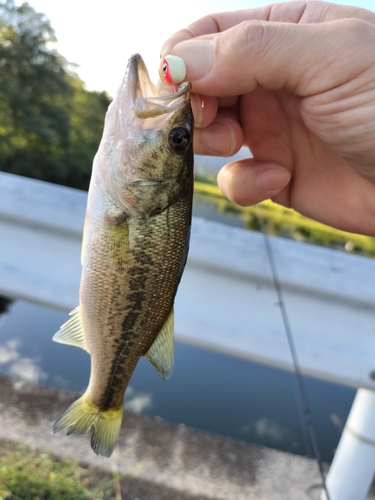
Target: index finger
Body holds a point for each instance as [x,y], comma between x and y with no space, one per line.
[298,12]
[214,23]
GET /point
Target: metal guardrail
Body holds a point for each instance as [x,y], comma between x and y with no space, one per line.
[226,301]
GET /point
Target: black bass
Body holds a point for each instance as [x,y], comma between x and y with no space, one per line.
[134,249]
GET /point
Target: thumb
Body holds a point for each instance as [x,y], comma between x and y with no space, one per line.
[302,58]
[247,182]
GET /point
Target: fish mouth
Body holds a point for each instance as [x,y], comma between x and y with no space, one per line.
[150,100]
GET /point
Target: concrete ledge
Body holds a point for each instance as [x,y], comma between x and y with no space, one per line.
[226,301]
[161,460]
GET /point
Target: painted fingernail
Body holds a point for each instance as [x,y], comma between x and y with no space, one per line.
[272,180]
[198,56]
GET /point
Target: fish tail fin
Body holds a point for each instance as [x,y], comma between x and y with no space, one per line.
[82,415]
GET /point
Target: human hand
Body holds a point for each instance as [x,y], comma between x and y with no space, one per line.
[295,82]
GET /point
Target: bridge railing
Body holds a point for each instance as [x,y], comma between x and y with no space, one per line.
[226,301]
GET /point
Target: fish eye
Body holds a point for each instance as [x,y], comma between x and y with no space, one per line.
[179,140]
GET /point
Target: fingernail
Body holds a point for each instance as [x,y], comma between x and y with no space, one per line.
[219,138]
[272,180]
[197,105]
[222,182]
[198,57]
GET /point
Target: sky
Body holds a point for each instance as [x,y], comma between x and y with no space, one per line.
[100,36]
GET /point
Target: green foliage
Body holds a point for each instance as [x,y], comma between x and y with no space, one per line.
[28,475]
[280,221]
[86,127]
[39,478]
[206,179]
[50,125]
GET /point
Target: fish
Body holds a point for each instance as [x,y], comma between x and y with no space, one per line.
[134,249]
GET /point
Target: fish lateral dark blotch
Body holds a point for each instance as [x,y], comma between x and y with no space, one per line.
[135,246]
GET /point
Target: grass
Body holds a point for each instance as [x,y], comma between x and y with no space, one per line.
[28,475]
[280,221]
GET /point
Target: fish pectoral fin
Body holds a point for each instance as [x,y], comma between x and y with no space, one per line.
[71,332]
[161,353]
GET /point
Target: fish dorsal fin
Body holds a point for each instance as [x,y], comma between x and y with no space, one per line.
[71,332]
[161,353]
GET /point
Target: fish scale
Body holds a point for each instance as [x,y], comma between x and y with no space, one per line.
[135,247]
[147,306]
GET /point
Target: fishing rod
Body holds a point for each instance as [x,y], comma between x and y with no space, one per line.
[301,395]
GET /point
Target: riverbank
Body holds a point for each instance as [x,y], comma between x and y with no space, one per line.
[157,460]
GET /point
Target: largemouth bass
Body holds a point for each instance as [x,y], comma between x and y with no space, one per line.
[134,248]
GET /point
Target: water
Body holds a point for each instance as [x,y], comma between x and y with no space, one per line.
[208,390]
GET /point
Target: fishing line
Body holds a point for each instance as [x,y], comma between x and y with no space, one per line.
[172,70]
[301,395]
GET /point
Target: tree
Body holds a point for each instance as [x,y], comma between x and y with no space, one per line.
[86,127]
[50,126]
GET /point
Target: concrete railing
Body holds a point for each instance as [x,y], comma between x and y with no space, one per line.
[226,300]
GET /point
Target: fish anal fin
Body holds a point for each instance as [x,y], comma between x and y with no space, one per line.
[161,352]
[71,332]
[82,415]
